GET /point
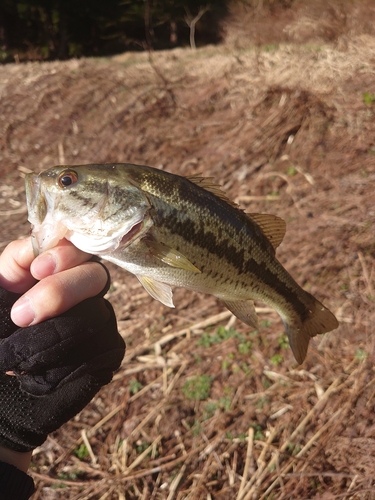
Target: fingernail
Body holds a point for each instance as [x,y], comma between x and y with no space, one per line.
[22,313]
[43,266]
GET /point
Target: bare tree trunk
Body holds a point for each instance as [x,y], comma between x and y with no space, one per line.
[173,35]
[192,21]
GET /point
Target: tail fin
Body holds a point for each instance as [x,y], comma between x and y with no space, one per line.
[319,320]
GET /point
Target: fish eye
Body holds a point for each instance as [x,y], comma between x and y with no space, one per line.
[67,178]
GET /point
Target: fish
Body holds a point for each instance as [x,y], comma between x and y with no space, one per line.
[170,230]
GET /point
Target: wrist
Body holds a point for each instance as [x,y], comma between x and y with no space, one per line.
[21,460]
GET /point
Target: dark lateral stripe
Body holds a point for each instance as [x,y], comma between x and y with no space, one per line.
[280,287]
[235,255]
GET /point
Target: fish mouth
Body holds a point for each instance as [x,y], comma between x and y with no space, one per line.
[47,235]
[36,201]
[45,232]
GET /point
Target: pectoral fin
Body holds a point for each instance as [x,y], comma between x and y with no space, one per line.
[243,310]
[157,290]
[169,255]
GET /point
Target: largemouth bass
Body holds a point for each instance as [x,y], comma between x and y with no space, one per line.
[170,230]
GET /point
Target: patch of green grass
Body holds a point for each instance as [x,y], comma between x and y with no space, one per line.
[135,386]
[70,476]
[197,388]
[225,364]
[245,347]
[258,434]
[283,341]
[221,334]
[368,98]
[58,486]
[81,452]
[265,323]
[291,171]
[225,402]
[206,340]
[277,359]
[246,368]
[210,409]
[360,354]
[270,47]
[242,437]
[212,406]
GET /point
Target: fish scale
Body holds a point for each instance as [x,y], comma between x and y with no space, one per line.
[171,230]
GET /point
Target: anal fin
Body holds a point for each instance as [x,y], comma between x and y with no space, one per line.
[159,291]
[243,310]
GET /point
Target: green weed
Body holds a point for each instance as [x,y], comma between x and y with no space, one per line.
[291,171]
[135,386]
[283,341]
[198,387]
[245,347]
[360,354]
[368,98]
[277,359]
[258,434]
[81,452]
[220,335]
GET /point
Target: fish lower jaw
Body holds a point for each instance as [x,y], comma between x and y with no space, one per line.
[95,246]
[46,237]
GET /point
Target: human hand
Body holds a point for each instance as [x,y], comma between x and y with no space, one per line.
[66,278]
[59,363]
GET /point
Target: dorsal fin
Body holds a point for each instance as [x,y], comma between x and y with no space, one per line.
[272,226]
[208,184]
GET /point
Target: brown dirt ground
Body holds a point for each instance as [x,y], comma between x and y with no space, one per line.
[285,131]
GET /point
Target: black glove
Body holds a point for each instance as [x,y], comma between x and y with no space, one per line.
[59,365]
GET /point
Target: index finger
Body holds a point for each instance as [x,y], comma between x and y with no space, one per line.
[20,270]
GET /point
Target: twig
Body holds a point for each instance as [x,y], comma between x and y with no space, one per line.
[86,442]
[144,454]
[262,466]
[15,211]
[176,482]
[249,456]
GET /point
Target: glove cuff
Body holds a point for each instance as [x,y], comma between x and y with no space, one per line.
[7,299]
[15,483]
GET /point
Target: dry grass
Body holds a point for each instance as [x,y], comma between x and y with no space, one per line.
[201,407]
